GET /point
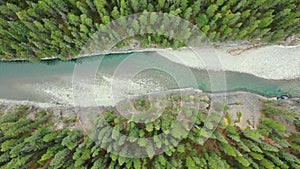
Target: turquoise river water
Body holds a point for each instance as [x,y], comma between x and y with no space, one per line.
[22,80]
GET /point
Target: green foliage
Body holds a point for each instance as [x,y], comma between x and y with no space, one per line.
[266,163]
[253,146]
[202,20]
[268,147]
[189,163]
[45,146]
[211,10]
[297,125]
[72,140]
[228,149]
[60,159]
[272,111]
[39,29]
[242,161]
[272,124]
[252,134]
[256,156]
[13,116]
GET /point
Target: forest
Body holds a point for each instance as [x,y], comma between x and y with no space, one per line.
[35,142]
[36,29]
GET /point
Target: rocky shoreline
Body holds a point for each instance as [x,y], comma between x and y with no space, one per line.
[269,62]
[276,62]
[249,104]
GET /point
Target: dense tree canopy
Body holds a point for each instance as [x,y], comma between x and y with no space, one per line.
[37,29]
[35,143]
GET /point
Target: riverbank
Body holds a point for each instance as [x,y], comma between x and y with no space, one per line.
[277,62]
[269,62]
[249,104]
[220,96]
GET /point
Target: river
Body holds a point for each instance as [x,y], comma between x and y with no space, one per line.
[50,80]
